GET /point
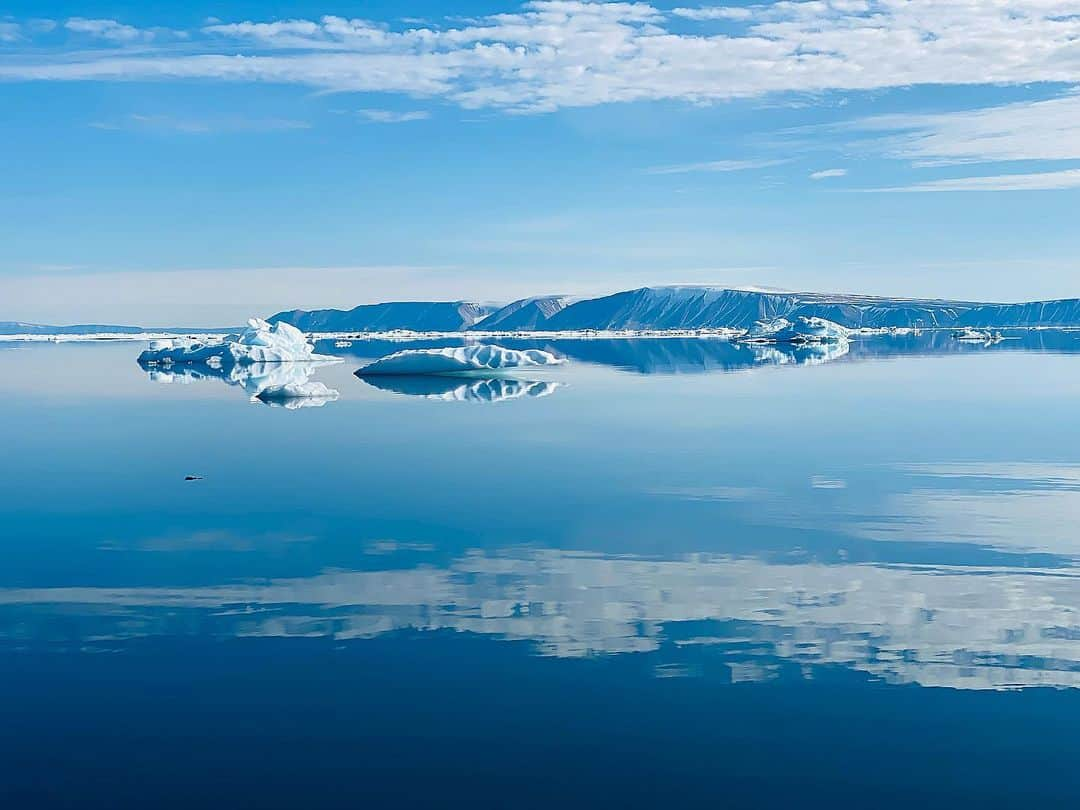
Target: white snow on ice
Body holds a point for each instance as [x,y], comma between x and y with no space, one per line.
[459,360]
[801,330]
[258,343]
[298,394]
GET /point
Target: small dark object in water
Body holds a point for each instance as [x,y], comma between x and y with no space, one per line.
[193,478]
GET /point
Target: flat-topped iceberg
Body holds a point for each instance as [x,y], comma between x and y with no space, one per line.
[260,342]
[801,330]
[458,360]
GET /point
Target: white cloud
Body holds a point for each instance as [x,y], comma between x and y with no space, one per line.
[167,123]
[108,30]
[1035,130]
[392,117]
[826,173]
[41,25]
[1039,181]
[714,13]
[552,54]
[10,32]
[715,166]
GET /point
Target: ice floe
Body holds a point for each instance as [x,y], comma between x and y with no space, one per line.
[310,394]
[260,342]
[458,360]
[800,330]
[969,335]
[449,389]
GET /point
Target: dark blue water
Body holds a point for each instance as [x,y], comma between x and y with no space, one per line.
[672,572]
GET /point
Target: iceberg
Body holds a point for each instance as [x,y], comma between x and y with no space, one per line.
[449,389]
[458,360]
[260,342]
[309,394]
[970,335]
[802,330]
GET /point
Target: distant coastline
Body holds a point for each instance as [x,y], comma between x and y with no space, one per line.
[647,310]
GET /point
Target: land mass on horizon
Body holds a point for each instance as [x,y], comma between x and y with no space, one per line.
[647,309]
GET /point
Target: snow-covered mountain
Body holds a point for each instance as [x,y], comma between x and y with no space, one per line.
[667,308]
[648,308]
[528,313]
[712,308]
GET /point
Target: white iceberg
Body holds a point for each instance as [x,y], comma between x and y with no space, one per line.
[260,342]
[802,330]
[969,335]
[458,360]
[298,394]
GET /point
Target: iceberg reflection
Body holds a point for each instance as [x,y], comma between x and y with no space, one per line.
[806,354]
[691,355]
[287,385]
[450,389]
[959,627]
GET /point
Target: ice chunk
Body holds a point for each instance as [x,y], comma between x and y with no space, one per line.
[449,389]
[458,360]
[969,335]
[259,343]
[317,393]
[801,330]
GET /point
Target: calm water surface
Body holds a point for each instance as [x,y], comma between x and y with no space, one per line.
[673,572]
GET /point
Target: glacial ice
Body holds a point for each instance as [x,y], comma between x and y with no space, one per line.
[450,389]
[298,394]
[970,335]
[458,360]
[258,343]
[803,330]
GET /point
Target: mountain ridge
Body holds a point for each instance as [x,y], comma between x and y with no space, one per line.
[648,309]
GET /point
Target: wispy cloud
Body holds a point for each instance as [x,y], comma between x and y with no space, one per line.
[10,32]
[108,29]
[827,173]
[196,126]
[1034,130]
[1039,181]
[715,166]
[552,54]
[392,117]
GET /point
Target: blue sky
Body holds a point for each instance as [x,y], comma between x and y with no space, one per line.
[195,163]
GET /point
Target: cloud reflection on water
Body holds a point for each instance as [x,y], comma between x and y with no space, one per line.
[961,627]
